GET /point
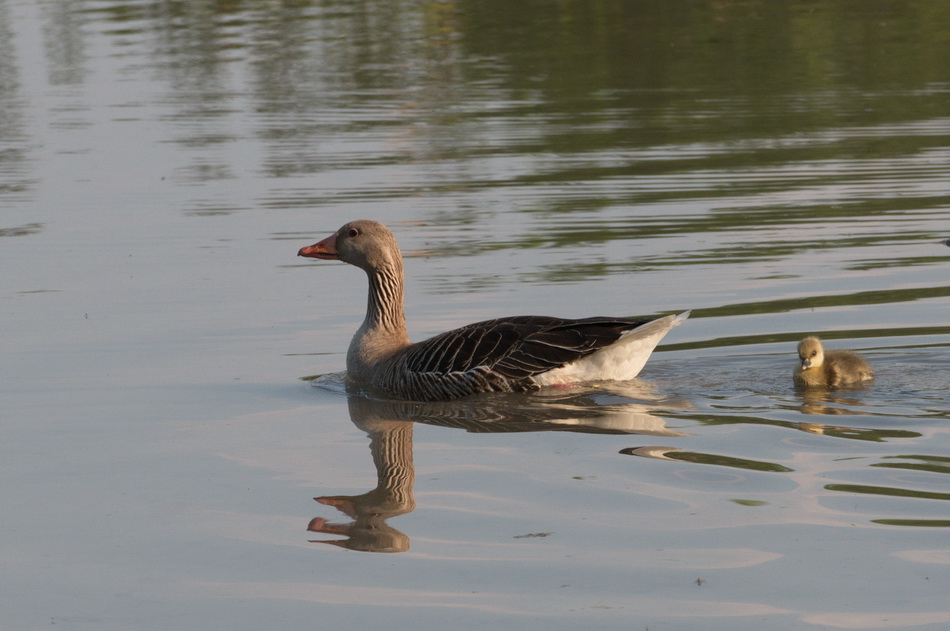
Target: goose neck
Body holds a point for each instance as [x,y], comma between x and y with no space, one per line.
[385,308]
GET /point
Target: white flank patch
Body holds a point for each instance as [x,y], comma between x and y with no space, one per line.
[622,360]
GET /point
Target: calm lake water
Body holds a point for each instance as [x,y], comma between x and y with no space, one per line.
[171,397]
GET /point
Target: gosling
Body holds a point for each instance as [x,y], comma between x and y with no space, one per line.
[829,368]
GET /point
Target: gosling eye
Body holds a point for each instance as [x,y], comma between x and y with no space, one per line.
[813,353]
[353,232]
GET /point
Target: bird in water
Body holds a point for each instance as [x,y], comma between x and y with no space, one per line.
[510,354]
[834,368]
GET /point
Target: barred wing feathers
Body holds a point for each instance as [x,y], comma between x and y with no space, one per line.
[514,348]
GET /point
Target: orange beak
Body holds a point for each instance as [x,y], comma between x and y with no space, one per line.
[325,249]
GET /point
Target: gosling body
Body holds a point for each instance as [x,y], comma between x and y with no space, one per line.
[831,368]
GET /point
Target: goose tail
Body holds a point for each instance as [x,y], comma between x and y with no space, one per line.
[621,361]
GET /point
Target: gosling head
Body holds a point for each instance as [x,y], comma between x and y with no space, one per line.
[811,353]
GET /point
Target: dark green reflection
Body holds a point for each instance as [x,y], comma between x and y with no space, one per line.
[918,523]
[21,231]
[770,338]
[742,502]
[887,490]
[933,464]
[875,297]
[838,431]
[669,453]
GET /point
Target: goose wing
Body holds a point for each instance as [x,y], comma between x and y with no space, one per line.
[517,347]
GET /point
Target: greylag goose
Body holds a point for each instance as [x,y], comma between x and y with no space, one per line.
[829,368]
[513,354]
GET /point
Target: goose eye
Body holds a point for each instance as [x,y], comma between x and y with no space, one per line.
[353,232]
[813,353]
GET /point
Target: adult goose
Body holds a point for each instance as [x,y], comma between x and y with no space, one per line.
[514,354]
[820,367]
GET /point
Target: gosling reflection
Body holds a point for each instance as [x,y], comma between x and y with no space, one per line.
[827,401]
[841,401]
[389,425]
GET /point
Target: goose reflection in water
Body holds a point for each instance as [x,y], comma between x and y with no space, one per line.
[391,446]
[389,425]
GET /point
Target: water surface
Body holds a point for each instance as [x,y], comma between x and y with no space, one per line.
[779,168]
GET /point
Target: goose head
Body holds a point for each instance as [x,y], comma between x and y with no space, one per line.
[366,244]
[811,353]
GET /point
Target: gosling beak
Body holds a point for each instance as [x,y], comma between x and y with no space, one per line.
[806,363]
[325,249]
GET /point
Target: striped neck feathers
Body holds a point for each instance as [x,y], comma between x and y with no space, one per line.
[384,309]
